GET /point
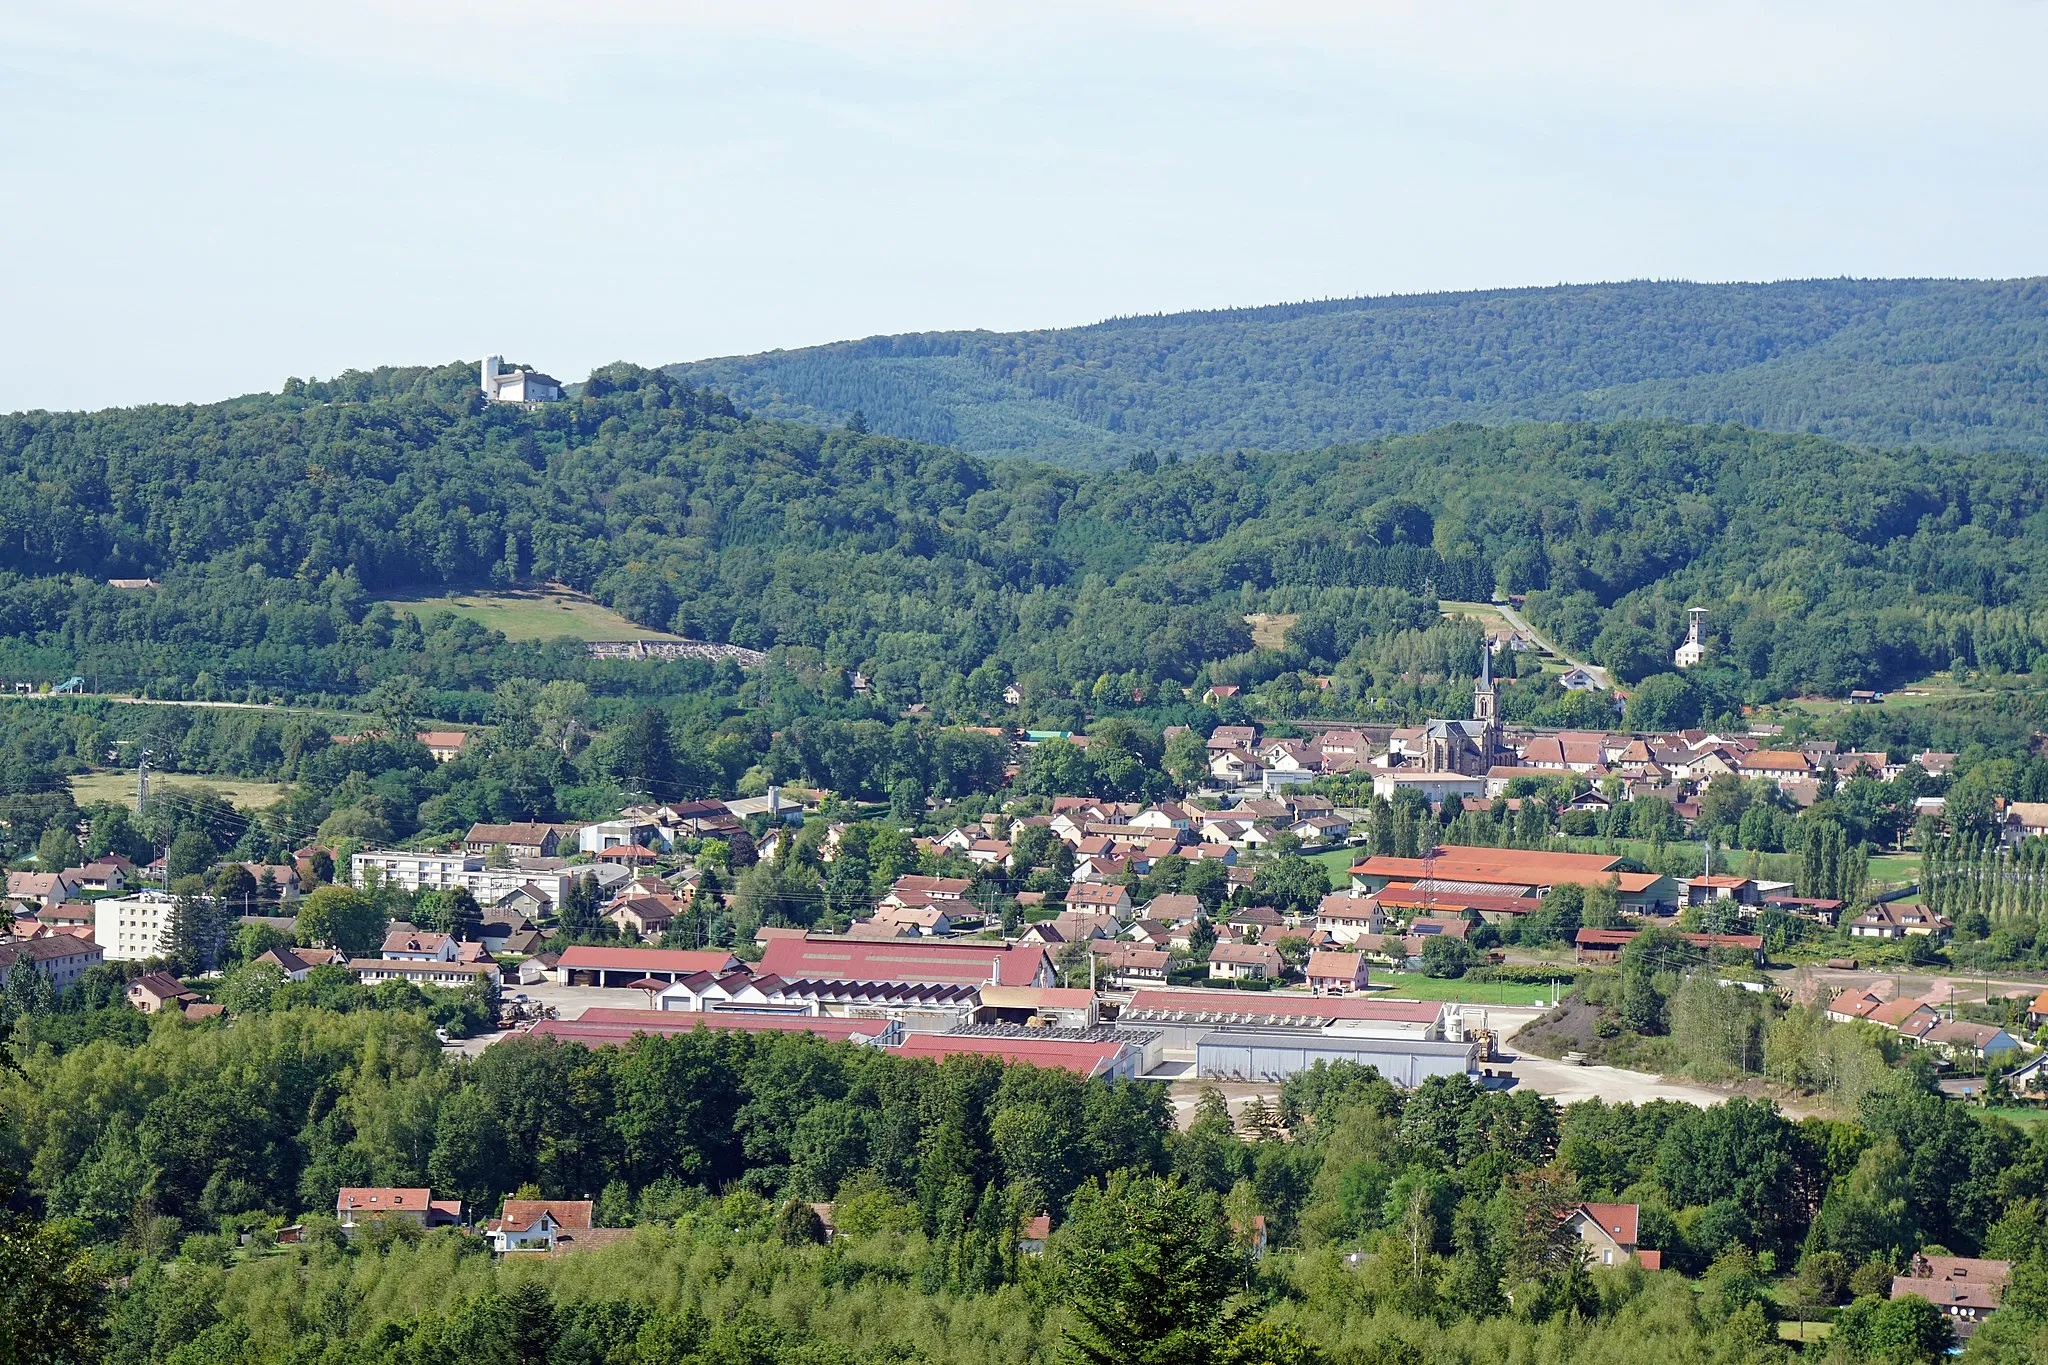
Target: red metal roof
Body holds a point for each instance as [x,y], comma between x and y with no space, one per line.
[834,958]
[1513,867]
[1063,1054]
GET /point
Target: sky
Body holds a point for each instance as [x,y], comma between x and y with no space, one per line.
[206,198]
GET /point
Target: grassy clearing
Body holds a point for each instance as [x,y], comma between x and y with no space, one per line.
[120,787]
[2021,1116]
[1895,867]
[1338,862]
[1270,632]
[1416,986]
[540,614]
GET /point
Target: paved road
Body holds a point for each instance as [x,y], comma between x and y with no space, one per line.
[1521,623]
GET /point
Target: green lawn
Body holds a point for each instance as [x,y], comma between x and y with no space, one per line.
[1338,861]
[120,787]
[2024,1116]
[1416,986]
[541,614]
[1894,867]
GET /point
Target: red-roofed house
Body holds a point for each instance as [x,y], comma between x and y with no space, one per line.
[1336,973]
[1608,1230]
[830,958]
[537,1224]
[357,1206]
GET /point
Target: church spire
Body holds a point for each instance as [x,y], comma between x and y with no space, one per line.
[1482,692]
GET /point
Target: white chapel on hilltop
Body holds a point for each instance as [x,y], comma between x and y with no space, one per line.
[501,385]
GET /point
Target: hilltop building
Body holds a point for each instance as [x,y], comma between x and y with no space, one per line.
[518,386]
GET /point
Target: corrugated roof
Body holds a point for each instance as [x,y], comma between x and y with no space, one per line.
[835,958]
[1075,1055]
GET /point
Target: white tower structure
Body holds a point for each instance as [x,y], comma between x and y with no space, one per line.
[1694,649]
[492,364]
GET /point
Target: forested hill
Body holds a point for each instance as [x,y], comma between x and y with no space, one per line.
[1962,364]
[274,522]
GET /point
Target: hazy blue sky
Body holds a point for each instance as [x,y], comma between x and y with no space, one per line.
[206,198]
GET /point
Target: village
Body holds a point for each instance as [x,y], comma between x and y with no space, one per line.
[1100,974]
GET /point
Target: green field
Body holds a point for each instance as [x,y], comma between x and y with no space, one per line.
[1895,867]
[1338,861]
[2020,1115]
[1416,986]
[120,787]
[540,614]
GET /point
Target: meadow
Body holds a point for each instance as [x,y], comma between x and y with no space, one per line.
[537,614]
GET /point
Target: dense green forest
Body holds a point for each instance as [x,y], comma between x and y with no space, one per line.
[1956,363]
[275,521]
[152,1155]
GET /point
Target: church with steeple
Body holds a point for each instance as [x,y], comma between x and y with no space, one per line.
[1468,747]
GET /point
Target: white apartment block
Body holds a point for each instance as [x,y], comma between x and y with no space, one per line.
[441,871]
[133,928]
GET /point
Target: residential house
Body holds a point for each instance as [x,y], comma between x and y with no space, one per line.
[1909,1018]
[1036,1232]
[1174,908]
[444,745]
[1978,1042]
[646,917]
[1233,737]
[413,945]
[1261,921]
[1781,766]
[2037,1012]
[1167,815]
[1967,1290]
[526,840]
[1245,961]
[1235,767]
[2023,820]
[44,888]
[527,901]
[919,915]
[1126,966]
[295,963]
[540,1225]
[1609,1232]
[154,992]
[356,1207]
[933,889]
[97,876]
[1336,972]
[1100,898]
[1078,926]
[1892,920]
[1321,829]
[1345,915]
